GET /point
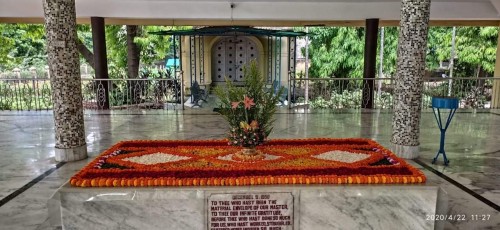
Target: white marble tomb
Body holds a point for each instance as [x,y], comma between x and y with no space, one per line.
[307,207]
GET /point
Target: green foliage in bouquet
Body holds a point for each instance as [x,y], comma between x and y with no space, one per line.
[248,109]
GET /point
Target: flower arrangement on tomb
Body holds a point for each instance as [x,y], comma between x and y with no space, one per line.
[135,163]
[249,110]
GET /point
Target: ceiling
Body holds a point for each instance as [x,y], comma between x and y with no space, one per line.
[255,12]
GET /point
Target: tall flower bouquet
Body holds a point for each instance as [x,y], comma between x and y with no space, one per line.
[248,109]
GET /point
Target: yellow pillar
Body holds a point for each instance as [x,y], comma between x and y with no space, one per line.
[495,95]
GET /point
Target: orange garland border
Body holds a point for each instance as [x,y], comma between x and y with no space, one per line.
[79,181]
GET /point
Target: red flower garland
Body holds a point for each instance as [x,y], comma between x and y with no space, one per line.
[295,164]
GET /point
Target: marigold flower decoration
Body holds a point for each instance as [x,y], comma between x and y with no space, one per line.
[248,109]
[110,169]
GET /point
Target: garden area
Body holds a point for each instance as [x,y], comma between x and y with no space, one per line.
[336,67]
[138,74]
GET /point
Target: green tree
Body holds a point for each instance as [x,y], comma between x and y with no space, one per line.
[438,46]
[339,51]
[336,52]
[22,45]
[390,51]
[155,47]
[85,44]
[477,47]
[6,45]
[150,47]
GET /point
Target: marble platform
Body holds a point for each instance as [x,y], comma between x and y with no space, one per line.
[309,207]
[27,151]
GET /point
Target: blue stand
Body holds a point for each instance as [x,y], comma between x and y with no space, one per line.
[443,103]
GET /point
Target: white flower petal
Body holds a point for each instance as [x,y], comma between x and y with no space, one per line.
[342,156]
[155,158]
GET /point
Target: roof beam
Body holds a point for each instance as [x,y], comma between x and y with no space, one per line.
[291,10]
[271,23]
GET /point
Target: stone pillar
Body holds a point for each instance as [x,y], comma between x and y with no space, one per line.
[64,66]
[100,61]
[370,62]
[412,46]
[495,95]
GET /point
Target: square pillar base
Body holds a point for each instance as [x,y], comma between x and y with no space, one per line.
[405,151]
[71,154]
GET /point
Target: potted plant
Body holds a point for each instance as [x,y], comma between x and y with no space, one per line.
[249,110]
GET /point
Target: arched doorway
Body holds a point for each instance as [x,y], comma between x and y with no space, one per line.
[229,55]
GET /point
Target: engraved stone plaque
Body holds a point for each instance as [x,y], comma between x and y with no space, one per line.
[250,211]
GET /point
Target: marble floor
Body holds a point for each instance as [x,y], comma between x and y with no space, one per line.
[27,140]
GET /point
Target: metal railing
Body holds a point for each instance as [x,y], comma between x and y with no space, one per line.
[166,94]
[346,93]
[25,94]
[98,94]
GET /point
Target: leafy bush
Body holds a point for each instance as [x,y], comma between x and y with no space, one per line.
[346,99]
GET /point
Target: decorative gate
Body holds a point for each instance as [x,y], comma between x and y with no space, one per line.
[229,55]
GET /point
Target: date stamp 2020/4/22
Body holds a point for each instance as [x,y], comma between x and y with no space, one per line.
[458,217]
